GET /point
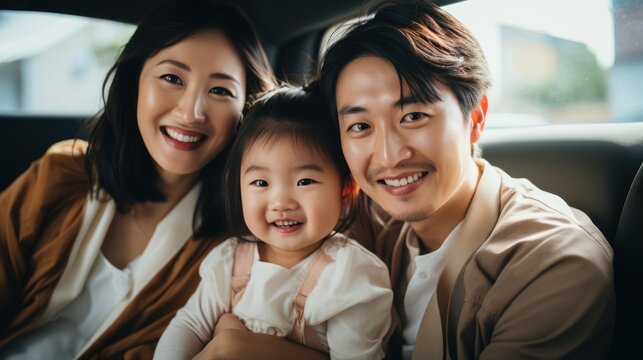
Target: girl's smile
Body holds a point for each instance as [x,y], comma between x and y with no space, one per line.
[291,196]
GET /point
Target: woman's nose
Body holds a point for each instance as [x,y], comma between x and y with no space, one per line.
[192,107]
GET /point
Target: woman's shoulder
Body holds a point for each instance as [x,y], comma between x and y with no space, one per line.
[58,174]
[64,161]
[67,151]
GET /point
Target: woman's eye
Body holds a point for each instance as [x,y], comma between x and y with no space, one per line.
[304,182]
[259,183]
[359,127]
[171,78]
[221,91]
[414,116]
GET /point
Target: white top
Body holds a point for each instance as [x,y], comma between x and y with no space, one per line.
[424,272]
[64,336]
[81,309]
[349,309]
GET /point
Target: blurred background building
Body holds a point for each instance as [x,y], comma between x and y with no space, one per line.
[626,75]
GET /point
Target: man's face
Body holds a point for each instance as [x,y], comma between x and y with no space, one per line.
[411,158]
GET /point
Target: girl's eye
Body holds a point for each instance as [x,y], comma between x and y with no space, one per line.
[414,116]
[221,91]
[359,127]
[259,183]
[171,78]
[304,182]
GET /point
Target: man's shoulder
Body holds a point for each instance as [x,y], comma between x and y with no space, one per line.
[531,217]
[526,196]
[537,241]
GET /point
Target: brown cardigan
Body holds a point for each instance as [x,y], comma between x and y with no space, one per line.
[40,216]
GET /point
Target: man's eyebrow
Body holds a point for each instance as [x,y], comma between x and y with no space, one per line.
[217,75]
[408,100]
[349,109]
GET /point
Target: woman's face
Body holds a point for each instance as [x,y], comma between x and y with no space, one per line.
[190,97]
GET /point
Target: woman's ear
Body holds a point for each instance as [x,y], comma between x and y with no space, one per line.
[478,119]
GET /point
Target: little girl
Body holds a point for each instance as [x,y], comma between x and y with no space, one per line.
[295,276]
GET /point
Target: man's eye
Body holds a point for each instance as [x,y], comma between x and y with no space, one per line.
[304,182]
[171,78]
[259,183]
[359,127]
[221,91]
[414,116]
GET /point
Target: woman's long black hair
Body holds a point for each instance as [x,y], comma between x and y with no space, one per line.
[117,160]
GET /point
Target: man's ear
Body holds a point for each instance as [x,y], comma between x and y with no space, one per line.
[478,119]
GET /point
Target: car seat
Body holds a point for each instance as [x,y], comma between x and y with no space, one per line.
[628,275]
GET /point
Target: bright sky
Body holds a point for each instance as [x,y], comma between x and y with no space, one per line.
[586,21]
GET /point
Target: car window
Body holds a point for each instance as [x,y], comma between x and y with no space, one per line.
[55,64]
[555,62]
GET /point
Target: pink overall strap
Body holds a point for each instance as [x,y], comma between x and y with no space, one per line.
[241,269]
[301,332]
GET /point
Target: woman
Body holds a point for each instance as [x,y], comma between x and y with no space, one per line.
[100,242]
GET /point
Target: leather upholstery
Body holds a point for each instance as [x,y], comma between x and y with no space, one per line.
[628,275]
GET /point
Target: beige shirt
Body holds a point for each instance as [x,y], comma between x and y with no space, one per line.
[532,277]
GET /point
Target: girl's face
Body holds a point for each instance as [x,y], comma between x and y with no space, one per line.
[189,99]
[291,196]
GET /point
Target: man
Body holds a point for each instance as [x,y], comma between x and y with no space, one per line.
[484,265]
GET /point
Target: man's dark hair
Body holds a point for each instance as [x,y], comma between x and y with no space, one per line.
[117,160]
[426,46]
[298,114]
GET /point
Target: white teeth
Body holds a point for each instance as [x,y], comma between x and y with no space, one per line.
[286,223]
[403,181]
[182,138]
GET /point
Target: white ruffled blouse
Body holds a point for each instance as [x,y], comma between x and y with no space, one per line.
[349,308]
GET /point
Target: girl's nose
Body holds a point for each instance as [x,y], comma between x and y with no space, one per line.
[282,201]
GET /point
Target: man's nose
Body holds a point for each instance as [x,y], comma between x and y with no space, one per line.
[391,147]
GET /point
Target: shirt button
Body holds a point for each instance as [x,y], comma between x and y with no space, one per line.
[423,275]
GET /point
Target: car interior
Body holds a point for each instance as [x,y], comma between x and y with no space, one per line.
[593,167]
